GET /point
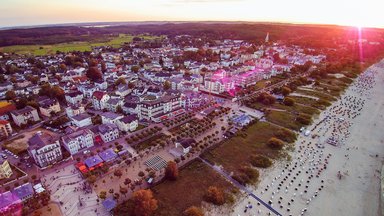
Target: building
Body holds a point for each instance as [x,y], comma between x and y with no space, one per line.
[248,78]
[185,144]
[25,116]
[10,204]
[93,162]
[161,109]
[5,129]
[24,192]
[110,117]
[48,106]
[218,86]
[108,132]
[108,155]
[45,149]
[81,120]
[113,103]
[5,109]
[5,169]
[128,123]
[99,100]
[109,204]
[78,140]
[74,110]
[74,98]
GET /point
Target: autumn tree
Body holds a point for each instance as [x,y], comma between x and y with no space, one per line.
[167,85]
[135,68]
[118,173]
[275,143]
[145,203]
[193,211]
[285,91]
[171,171]
[10,95]
[289,101]
[215,195]
[103,195]
[94,74]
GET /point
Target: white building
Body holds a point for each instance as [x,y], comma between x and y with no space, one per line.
[78,141]
[81,120]
[25,115]
[99,100]
[45,149]
[74,98]
[110,117]
[128,123]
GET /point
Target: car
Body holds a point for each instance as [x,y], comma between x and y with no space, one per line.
[16,156]
[4,156]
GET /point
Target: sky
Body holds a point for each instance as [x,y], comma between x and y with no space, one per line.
[360,13]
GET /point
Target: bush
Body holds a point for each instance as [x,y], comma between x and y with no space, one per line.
[289,101]
[193,211]
[275,143]
[260,161]
[252,174]
[215,195]
[285,135]
[242,178]
[304,119]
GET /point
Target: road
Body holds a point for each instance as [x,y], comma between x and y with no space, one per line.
[240,186]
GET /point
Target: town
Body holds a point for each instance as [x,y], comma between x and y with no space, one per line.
[82,132]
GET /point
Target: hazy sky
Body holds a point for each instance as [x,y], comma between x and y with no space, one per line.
[344,12]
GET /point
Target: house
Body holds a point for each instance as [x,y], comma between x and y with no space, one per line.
[99,100]
[45,149]
[5,169]
[87,90]
[218,86]
[130,108]
[81,120]
[101,85]
[74,110]
[5,129]
[74,98]
[128,123]
[5,109]
[24,192]
[160,109]
[185,144]
[242,120]
[108,132]
[78,140]
[110,117]
[48,106]
[123,90]
[24,116]
[113,103]
[6,86]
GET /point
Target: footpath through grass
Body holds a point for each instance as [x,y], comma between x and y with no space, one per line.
[233,154]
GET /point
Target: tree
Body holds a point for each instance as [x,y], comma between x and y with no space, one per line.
[171,171]
[193,211]
[135,68]
[58,93]
[94,74]
[145,203]
[103,195]
[289,101]
[127,181]
[285,91]
[123,190]
[275,143]
[119,81]
[10,95]
[167,85]
[214,195]
[118,173]
[92,179]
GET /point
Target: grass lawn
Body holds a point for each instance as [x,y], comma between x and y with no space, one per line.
[193,181]
[284,119]
[317,94]
[71,46]
[311,102]
[235,152]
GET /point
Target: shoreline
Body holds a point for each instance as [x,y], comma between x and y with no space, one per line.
[350,183]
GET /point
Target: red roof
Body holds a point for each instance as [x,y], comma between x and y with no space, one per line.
[4,122]
[98,94]
[7,108]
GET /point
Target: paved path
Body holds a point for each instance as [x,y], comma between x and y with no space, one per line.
[240,186]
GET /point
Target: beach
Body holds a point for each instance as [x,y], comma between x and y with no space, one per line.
[336,168]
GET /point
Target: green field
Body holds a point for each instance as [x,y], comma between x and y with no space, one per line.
[71,46]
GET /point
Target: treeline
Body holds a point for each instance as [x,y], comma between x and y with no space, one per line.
[304,35]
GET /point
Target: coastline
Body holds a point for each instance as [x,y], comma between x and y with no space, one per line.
[358,159]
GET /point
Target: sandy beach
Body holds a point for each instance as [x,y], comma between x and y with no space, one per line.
[335,170]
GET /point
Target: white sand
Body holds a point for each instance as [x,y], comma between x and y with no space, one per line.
[361,139]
